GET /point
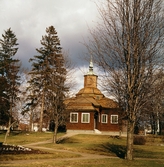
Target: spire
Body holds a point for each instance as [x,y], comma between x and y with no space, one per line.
[90,72]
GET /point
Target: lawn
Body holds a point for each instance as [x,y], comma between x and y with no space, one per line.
[106,145]
[149,155]
[25,138]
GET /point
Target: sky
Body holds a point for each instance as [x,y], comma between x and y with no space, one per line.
[28,19]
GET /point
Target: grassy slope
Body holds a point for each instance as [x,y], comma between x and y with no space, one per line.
[95,144]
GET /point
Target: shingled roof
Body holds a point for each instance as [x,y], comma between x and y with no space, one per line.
[90,97]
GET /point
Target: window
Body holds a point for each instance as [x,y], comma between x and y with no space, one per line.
[73,117]
[104,118]
[114,119]
[85,118]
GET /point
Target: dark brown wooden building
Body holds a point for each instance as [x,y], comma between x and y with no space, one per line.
[90,111]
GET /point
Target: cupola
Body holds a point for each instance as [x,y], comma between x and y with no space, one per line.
[90,84]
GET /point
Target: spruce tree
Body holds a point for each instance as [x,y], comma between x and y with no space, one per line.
[9,73]
[48,76]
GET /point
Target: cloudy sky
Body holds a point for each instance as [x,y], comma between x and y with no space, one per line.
[28,19]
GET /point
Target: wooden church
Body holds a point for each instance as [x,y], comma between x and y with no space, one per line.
[90,111]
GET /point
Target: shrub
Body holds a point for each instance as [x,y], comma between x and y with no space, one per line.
[139,140]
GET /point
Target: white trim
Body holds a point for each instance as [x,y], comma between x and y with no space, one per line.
[75,113]
[111,120]
[88,117]
[106,118]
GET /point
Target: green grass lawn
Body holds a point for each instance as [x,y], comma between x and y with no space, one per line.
[149,155]
[25,138]
[89,163]
[105,145]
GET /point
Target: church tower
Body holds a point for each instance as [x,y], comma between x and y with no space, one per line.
[90,79]
[90,84]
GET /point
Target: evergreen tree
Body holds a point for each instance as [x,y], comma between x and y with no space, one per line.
[9,73]
[48,76]
[4,102]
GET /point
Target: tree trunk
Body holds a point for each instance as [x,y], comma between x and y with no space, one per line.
[31,121]
[8,131]
[9,124]
[41,114]
[55,131]
[130,135]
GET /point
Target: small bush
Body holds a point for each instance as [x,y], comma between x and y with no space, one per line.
[139,140]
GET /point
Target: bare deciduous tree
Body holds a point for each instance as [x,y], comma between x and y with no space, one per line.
[127,43]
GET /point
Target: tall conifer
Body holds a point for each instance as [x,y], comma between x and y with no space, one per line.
[48,76]
[9,73]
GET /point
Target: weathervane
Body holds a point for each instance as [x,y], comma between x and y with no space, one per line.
[90,72]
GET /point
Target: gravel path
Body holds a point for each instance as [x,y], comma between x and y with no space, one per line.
[83,155]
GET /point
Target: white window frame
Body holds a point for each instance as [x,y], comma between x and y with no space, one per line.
[104,116]
[75,113]
[111,119]
[82,115]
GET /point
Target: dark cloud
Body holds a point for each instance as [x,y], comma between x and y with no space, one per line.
[29,19]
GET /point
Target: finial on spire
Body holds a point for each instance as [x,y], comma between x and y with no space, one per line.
[90,72]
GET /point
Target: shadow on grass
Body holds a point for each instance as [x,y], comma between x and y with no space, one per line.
[119,150]
[67,140]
